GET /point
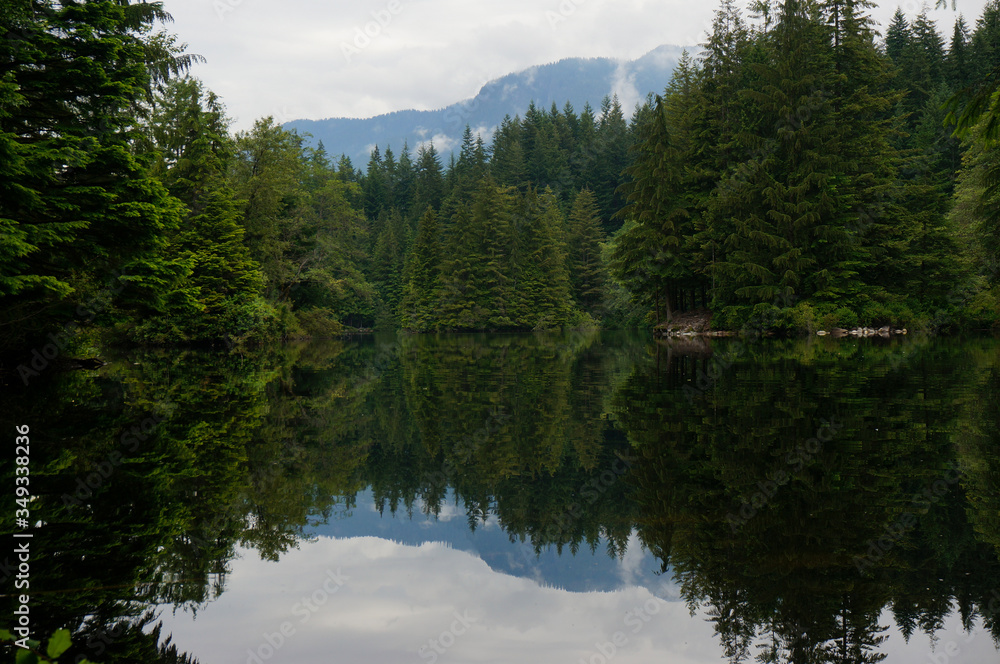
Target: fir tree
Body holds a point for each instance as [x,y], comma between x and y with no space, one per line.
[540,287]
[428,187]
[420,279]
[586,267]
[80,214]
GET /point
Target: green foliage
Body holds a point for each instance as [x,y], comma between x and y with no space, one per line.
[570,440]
[794,169]
[772,538]
[420,278]
[78,204]
[793,176]
[58,643]
[588,274]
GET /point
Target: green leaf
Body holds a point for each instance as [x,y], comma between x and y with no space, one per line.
[59,643]
[26,657]
[6,635]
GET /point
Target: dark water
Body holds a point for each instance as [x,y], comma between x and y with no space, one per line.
[538,498]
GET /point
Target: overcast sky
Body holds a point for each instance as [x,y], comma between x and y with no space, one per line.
[359,58]
[392,599]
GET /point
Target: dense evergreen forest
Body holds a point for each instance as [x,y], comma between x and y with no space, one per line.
[797,173]
[157,472]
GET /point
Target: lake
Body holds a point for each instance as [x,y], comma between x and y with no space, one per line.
[573,497]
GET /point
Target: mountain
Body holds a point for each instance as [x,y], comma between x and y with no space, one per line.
[577,80]
[584,571]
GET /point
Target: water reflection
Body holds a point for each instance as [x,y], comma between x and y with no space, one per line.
[809,499]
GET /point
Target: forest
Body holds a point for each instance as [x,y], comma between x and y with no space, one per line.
[800,172]
[249,453]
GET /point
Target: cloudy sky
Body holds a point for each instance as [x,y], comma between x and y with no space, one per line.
[367,599]
[359,58]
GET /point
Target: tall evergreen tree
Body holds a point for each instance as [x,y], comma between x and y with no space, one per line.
[428,187]
[375,186]
[586,267]
[221,297]
[476,288]
[611,159]
[387,264]
[538,272]
[420,279]
[80,214]
[507,165]
[958,68]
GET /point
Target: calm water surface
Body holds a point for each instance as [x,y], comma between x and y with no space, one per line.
[587,497]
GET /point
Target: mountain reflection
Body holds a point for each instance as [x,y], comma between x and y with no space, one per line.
[795,490]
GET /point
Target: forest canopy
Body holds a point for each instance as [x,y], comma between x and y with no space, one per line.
[799,172]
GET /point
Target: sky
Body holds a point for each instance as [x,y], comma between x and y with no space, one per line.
[373,600]
[316,59]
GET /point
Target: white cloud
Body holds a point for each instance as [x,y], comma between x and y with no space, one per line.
[428,54]
[623,85]
[395,598]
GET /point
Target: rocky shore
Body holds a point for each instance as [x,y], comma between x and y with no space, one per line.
[698,323]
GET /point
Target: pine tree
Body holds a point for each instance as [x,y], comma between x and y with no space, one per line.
[897,36]
[611,159]
[420,279]
[221,296]
[540,289]
[387,264]
[476,288]
[586,267]
[977,206]
[788,240]
[267,175]
[984,49]
[428,188]
[507,164]
[81,216]
[958,68]
[406,173]
[647,255]
[375,186]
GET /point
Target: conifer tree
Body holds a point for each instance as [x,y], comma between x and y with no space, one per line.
[374,185]
[540,279]
[476,287]
[267,175]
[611,159]
[586,267]
[387,264]
[958,68]
[648,253]
[221,296]
[428,187]
[507,164]
[897,36]
[80,215]
[406,174]
[420,278]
